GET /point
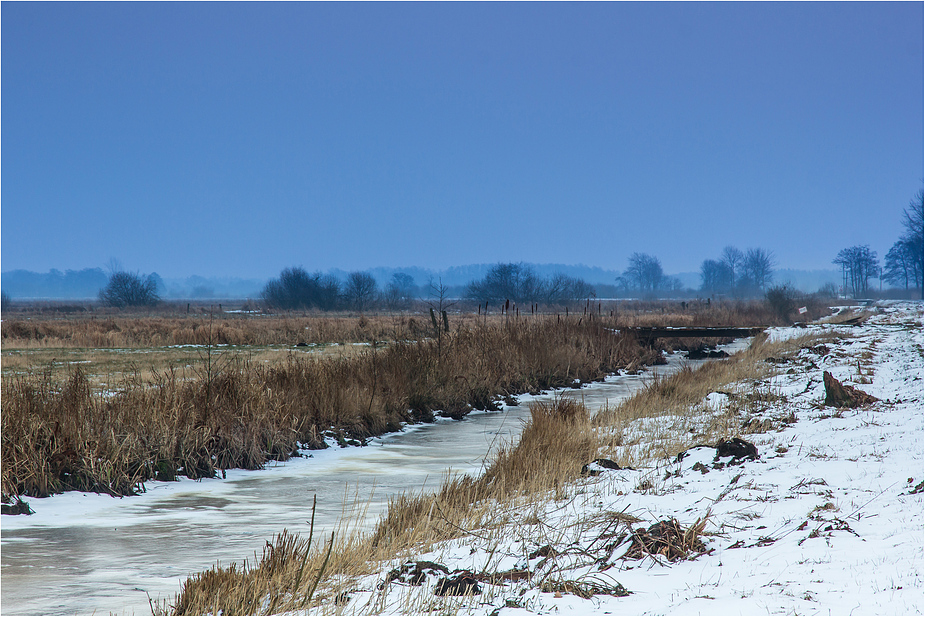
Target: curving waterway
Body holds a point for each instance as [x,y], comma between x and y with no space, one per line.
[93,554]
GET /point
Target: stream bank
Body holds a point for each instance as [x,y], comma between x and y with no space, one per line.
[83,553]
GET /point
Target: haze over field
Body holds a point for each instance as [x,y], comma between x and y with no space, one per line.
[233,140]
[86,284]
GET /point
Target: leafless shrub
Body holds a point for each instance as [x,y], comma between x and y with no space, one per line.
[126,289]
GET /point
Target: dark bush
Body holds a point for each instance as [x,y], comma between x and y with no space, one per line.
[130,289]
[781,300]
[521,285]
[360,290]
[296,289]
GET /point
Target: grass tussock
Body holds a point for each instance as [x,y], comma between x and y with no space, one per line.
[556,442]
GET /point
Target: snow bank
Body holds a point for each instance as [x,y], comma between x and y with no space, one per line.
[828,519]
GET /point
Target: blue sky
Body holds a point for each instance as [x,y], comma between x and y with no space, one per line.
[238,139]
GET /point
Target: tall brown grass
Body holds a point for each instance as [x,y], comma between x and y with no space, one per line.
[555,444]
[131,332]
[64,436]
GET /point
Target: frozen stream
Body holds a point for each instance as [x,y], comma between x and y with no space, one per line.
[87,553]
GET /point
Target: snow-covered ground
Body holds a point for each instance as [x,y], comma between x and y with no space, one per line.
[828,519]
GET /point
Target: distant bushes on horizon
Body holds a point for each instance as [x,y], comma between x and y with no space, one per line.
[296,289]
[520,284]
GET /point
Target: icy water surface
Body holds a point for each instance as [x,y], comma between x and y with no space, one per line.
[82,554]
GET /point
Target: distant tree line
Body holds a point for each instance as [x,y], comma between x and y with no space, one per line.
[84,283]
[734,274]
[737,274]
[904,261]
[520,284]
[296,289]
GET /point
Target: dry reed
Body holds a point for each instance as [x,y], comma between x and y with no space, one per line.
[59,437]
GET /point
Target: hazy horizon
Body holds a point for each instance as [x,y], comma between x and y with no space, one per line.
[237,139]
[77,285]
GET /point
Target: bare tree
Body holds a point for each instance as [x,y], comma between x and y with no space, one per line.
[328,292]
[715,277]
[294,289]
[859,264]
[439,296]
[904,261]
[515,282]
[733,259]
[900,264]
[564,289]
[360,290]
[645,273]
[914,215]
[757,270]
[126,289]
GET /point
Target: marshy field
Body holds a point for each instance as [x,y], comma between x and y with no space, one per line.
[104,404]
[124,405]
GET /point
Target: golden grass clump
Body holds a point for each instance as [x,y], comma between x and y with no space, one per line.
[554,445]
